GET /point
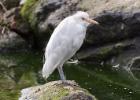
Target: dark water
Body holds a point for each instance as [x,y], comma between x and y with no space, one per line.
[21,70]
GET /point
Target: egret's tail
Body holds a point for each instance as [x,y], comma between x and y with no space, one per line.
[47,70]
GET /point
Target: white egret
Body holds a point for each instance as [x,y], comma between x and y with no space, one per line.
[66,39]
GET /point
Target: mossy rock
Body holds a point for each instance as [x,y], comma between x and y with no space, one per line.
[27,12]
[56,90]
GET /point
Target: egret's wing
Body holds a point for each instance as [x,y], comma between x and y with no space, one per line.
[60,37]
[66,38]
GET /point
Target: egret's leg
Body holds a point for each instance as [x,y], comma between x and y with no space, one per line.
[61,73]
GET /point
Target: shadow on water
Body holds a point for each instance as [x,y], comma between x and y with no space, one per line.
[21,70]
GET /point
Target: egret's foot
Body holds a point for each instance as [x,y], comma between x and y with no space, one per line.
[66,82]
[116,66]
[71,61]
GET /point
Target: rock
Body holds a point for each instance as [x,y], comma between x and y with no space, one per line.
[10,42]
[114,20]
[18,25]
[56,90]
[104,53]
[65,10]
[119,23]
[126,56]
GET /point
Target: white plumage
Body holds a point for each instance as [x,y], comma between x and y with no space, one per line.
[66,39]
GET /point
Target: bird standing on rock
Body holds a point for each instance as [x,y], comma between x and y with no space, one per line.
[65,41]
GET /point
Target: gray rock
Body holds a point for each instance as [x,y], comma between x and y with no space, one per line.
[56,90]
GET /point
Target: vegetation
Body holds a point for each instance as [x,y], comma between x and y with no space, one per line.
[27,12]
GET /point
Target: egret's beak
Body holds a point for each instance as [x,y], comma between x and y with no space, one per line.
[91,21]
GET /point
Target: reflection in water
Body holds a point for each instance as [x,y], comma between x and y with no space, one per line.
[21,70]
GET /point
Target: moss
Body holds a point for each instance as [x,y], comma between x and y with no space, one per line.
[105,50]
[110,51]
[58,92]
[7,94]
[61,93]
[27,12]
[54,93]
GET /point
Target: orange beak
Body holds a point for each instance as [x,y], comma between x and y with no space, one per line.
[91,21]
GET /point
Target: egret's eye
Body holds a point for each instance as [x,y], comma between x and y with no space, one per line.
[83,18]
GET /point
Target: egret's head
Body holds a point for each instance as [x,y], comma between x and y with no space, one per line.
[83,18]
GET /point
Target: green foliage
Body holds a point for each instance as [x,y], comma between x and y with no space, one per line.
[27,12]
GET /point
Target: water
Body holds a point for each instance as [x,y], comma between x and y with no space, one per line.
[21,70]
